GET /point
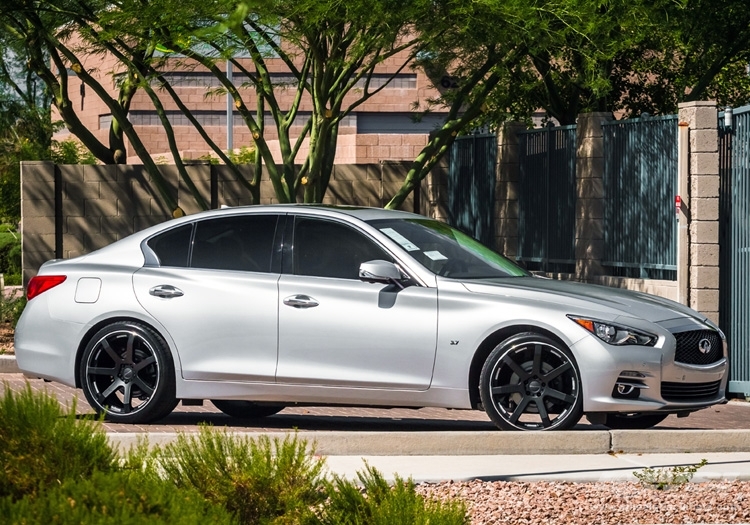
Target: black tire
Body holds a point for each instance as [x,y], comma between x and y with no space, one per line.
[530,382]
[633,421]
[127,373]
[246,409]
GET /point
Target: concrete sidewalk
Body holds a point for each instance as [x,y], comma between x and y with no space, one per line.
[572,468]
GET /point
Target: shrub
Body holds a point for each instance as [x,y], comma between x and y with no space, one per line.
[258,481]
[10,253]
[10,309]
[117,498]
[41,444]
[378,503]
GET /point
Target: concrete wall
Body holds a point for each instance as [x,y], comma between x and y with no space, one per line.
[68,211]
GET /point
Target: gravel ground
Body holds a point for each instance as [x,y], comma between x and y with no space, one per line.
[597,503]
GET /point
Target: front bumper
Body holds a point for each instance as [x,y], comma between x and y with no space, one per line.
[646,379]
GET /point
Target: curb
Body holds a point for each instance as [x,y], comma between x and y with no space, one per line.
[8,365]
[494,443]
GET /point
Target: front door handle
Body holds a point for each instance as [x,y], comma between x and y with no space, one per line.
[166,291]
[300,301]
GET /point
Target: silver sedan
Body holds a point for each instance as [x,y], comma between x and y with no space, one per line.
[263,307]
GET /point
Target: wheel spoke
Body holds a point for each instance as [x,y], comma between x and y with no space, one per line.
[111,352]
[117,383]
[557,371]
[520,409]
[127,398]
[562,396]
[144,363]
[542,412]
[147,389]
[101,371]
[128,357]
[507,389]
[520,372]
[537,366]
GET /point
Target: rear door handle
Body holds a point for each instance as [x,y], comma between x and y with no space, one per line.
[166,291]
[300,301]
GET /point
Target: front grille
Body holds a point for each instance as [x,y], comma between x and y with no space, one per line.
[686,392]
[689,346]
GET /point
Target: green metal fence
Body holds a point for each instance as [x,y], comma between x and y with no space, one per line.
[640,184]
[471,186]
[734,240]
[547,197]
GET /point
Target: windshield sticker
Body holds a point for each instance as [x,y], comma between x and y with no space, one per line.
[436,256]
[405,243]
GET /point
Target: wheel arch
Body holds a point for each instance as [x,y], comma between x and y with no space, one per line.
[101,324]
[489,344]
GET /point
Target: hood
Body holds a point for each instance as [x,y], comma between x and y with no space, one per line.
[613,301]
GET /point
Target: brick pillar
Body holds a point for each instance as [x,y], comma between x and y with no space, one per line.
[38,216]
[506,189]
[590,195]
[701,206]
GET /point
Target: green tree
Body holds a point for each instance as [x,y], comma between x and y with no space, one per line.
[329,47]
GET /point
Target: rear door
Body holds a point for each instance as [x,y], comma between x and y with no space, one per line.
[216,293]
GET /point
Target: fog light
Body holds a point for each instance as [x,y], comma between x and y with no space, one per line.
[625,390]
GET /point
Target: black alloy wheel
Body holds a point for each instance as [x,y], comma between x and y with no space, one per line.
[246,409]
[530,382]
[127,373]
[634,421]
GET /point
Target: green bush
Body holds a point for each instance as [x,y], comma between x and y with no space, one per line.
[42,445]
[10,309]
[258,481]
[117,498]
[374,502]
[10,253]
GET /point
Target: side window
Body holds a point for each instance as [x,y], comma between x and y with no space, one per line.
[329,249]
[241,242]
[172,247]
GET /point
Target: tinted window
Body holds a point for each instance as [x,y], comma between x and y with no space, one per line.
[242,243]
[172,247]
[329,249]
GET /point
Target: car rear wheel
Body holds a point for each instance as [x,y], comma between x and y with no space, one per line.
[530,382]
[246,409]
[127,373]
[633,421]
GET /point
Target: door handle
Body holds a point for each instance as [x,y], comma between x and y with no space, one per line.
[166,291]
[300,301]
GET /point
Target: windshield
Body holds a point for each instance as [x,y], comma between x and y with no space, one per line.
[446,251]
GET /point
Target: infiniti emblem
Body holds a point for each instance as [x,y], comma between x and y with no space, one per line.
[704,345]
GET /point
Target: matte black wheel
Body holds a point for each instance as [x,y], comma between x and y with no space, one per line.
[530,382]
[127,374]
[633,421]
[246,409]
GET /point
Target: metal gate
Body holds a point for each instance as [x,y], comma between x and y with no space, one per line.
[471,186]
[640,182]
[547,199]
[734,232]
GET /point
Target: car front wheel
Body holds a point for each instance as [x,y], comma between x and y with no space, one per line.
[530,382]
[127,373]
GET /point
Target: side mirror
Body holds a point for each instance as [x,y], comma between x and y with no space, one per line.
[378,271]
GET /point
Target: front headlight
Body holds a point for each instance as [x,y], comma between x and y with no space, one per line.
[614,334]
